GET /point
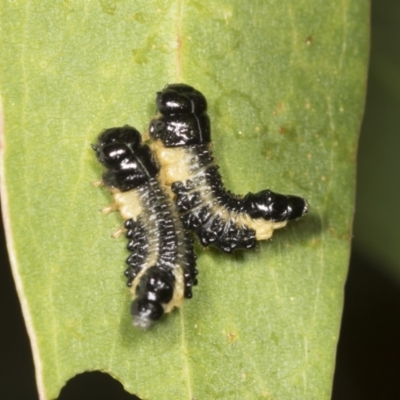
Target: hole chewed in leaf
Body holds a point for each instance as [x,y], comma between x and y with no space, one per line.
[94,385]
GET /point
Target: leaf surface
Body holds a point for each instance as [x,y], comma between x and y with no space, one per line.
[285,83]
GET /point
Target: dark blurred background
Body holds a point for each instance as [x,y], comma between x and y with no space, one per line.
[368,359]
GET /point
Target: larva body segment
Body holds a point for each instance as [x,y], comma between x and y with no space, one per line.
[181,136]
[161,267]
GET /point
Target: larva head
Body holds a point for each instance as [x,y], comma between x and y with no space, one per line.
[114,144]
[182,118]
[129,163]
[179,98]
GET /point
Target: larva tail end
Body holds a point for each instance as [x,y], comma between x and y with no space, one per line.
[297,207]
[145,312]
[274,206]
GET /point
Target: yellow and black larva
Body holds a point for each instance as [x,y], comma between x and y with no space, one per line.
[181,136]
[161,267]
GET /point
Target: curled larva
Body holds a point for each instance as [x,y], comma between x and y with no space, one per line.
[181,143]
[161,267]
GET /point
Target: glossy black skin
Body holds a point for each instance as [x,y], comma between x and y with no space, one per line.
[131,165]
[156,287]
[274,206]
[182,121]
[138,245]
[169,249]
[210,228]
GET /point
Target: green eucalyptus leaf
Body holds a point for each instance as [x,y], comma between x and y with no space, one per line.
[285,82]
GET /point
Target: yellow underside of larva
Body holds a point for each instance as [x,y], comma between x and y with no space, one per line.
[130,205]
[177,164]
